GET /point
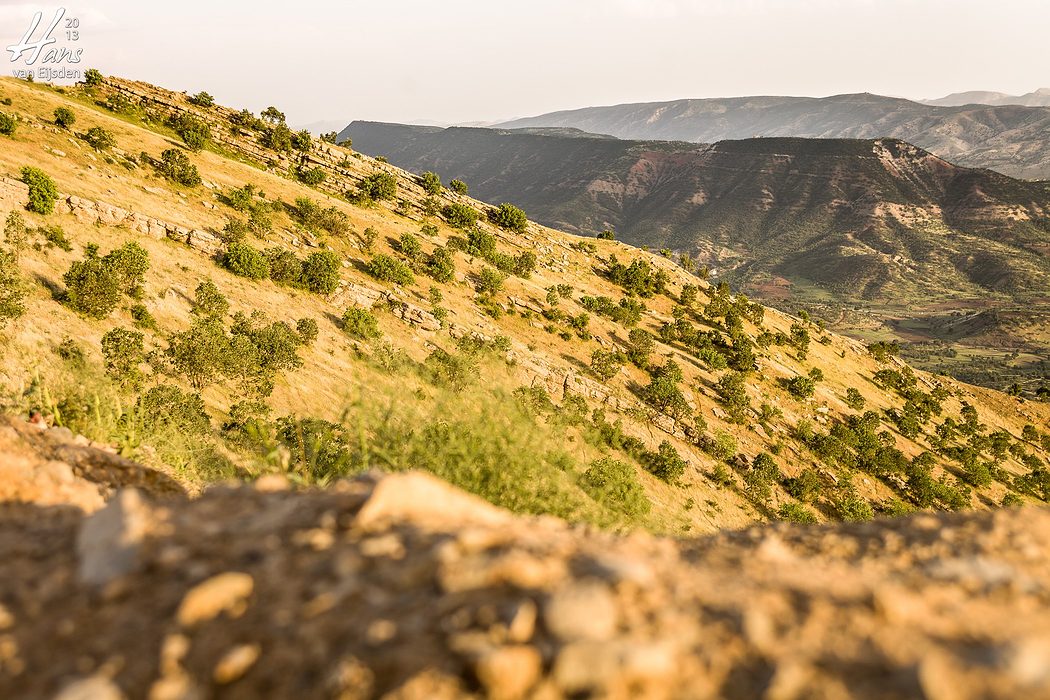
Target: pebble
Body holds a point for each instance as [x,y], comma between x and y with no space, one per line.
[226,592]
[581,611]
[507,673]
[235,663]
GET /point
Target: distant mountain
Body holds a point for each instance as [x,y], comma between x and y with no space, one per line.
[1039,98]
[1014,140]
[322,127]
[866,218]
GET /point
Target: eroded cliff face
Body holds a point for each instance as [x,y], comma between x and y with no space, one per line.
[401,586]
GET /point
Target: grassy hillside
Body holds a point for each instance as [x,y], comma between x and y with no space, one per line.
[376,320]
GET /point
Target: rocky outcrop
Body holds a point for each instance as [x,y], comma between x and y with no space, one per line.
[402,587]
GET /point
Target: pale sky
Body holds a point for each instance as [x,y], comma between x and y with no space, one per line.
[466,60]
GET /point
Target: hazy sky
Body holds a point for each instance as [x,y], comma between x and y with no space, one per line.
[464,60]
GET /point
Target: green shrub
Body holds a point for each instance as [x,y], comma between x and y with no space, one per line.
[606,364]
[606,235]
[8,124]
[307,330]
[665,464]
[378,186]
[168,407]
[321,272]
[509,217]
[285,267]
[209,302]
[796,513]
[94,284]
[55,237]
[761,477]
[387,269]
[16,233]
[12,288]
[805,487]
[489,282]
[193,131]
[92,77]
[615,485]
[460,216]
[430,182]
[64,117]
[123,351]
[640,345]
[458,186]
[176,166]
[361,324]
[143,318]
[312,176]
[42,190]
[800,387]
[441,265]
[854,399]
[202,99]
[731,389]
[246,261]
[99,139]
[723,446]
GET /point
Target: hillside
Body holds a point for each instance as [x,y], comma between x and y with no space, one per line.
[399,586]
[829,224]
[1010,139]
[376,320]
[1036,98]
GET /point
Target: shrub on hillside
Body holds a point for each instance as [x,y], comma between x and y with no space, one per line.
[94,284]
[202,99]
[193,131]
[378,186]
[854,399]
[666,464]
[360,324]
[12,289]
[123,351]
[458,186]
[92,77]
[320,272]
[176,166]
[246,261]
[168,407]
[430,182]
[311,176]
[64,117]
[509,217]
[796,513]
[489,282]
[8,124]
[441,265]
[387,269]
[42,190]
[307,330]
[208,301]
[800,387]
[606,364]
[99,139]
[615,485]
[460,216]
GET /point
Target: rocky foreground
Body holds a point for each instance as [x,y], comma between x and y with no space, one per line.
[402,587]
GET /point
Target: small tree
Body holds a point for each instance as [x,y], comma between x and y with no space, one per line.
[92,288]
[666,463]
[12,290]
[307,330]
[387,269]
[202,99]
[193,131]
[209,302]
[123,351]
[8,124]
[16,233]
[99,139]
[246,261]
[64,117]
[378,186]
[321,272]
[606,364]
[490,281]
[460,216]
[854,399]
[42,190]
[360,324]
[509,217]
[176,166]
[458,186]
[430,182]
[92,78]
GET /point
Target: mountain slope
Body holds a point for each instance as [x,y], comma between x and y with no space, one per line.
[1010,139]
[917,241]
[544,372]
[1037,98]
